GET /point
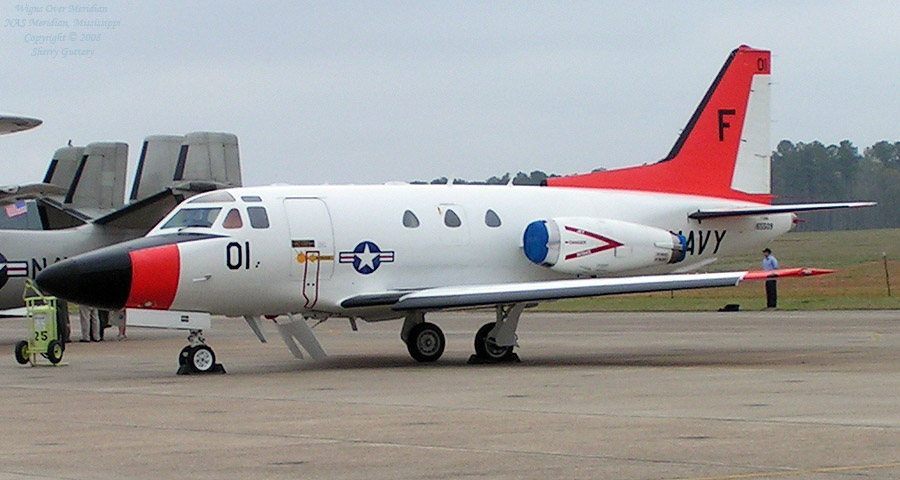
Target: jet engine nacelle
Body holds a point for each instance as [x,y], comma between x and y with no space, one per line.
[595,246]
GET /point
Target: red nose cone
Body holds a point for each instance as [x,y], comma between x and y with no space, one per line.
[154,277]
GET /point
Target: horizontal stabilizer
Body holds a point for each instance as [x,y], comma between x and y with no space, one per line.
[773,209]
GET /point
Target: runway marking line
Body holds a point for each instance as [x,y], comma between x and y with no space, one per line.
[793,473]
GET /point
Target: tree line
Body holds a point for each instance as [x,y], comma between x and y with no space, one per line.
[807,173]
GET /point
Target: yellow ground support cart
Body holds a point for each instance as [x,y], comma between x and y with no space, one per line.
[44,339]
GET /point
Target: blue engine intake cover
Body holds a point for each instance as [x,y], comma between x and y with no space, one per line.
[535,241]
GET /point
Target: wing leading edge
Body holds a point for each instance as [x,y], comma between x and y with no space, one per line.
[509,293]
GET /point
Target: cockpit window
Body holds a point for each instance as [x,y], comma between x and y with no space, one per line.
[233,219]
[193,217]
[258,217]
[219,196]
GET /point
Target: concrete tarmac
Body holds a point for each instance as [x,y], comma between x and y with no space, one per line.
[743,395]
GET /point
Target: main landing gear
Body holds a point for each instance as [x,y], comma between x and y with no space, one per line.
[198,357]
[494,341]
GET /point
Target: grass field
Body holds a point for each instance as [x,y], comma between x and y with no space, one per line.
[858,284]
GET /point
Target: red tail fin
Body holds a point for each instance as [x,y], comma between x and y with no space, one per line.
[724,149]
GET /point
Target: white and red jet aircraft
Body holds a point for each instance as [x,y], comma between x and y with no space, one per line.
[399,251]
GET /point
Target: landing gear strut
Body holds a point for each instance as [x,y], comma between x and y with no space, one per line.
[198,357]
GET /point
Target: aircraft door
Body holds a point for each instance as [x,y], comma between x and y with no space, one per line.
[312,244]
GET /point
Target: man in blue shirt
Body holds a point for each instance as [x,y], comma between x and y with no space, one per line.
[770,263]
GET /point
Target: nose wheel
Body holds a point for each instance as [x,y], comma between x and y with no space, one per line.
[198,357]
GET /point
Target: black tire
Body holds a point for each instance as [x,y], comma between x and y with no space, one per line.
[486,349]
[183,355]
[22,353]
[426,342]
[54,351]
[201,359]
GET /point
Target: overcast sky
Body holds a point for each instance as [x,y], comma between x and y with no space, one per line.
[368,92]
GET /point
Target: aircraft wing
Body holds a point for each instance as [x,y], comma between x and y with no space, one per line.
[142,214]
[767,209]
[509,293]
[12,193]
[12,124]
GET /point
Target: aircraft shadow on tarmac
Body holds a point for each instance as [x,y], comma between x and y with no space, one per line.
[657,359]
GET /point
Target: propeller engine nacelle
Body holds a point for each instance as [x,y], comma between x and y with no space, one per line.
[595,246]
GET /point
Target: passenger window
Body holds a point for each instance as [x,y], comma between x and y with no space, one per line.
[233,219]
[491,219]
[410,220]
[258,217]
[451,219]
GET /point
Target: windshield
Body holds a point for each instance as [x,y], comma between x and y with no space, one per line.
[193,217]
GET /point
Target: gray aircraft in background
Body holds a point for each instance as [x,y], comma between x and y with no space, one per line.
[80,205]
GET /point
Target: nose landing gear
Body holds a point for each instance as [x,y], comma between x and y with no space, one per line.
[198,357]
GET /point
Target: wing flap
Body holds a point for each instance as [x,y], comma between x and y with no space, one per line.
[773,209]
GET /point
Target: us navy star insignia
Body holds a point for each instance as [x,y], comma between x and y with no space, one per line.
[366,257]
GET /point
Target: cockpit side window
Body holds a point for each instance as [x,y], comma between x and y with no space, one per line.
[258,217]
[193,217]
[233,219]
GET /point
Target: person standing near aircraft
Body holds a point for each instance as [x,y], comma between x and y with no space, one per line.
[90,324]
[770,263]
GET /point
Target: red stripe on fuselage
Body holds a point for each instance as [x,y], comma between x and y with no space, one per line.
[154,277]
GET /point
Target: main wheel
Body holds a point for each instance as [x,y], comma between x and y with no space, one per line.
[426,342]
[54,351]
[201,359]
[486,349]
[184,354]
[22,353]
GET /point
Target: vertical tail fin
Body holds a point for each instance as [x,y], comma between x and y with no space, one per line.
[193,163]
[208,160]
[63,166]
[723,151]
[156,165]
[99,181]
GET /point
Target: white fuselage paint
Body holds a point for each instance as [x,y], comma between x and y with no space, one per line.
[216,275]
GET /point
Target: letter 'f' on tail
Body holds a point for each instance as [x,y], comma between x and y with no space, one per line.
[723,151]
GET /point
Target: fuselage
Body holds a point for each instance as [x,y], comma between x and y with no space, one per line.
[320,245]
